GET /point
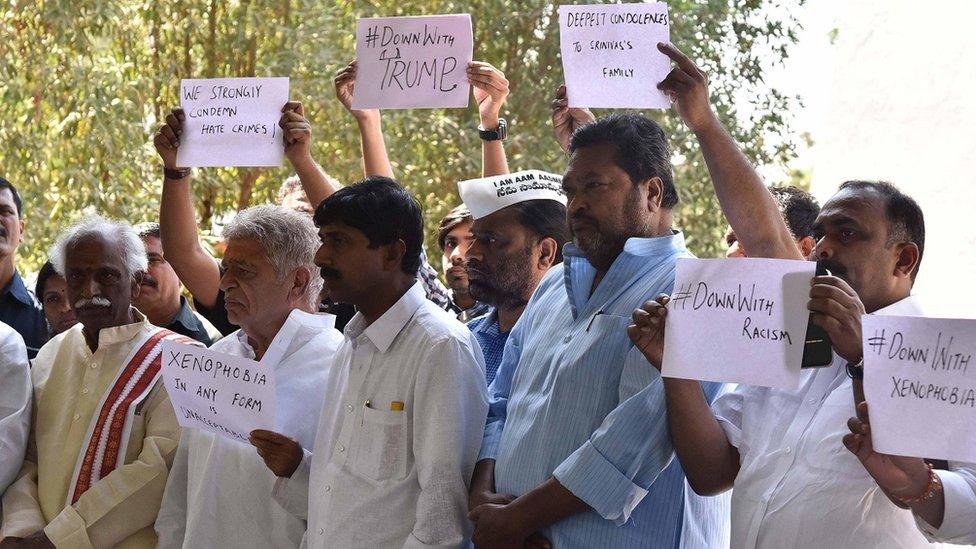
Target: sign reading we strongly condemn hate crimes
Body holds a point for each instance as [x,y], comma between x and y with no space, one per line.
[413,62]
[740,320]
[920,385]
[224,394]
[232,122]
[610,55]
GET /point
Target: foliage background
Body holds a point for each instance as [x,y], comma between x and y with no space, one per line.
[85,83]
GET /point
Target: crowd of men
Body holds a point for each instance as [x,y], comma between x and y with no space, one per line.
[522,406]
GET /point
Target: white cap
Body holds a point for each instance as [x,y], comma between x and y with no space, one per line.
[487,195]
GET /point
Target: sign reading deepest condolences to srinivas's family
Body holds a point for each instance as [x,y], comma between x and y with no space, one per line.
[610,55]
[224,394]
[413,62]
[232,122]
[920,385]
[738,320]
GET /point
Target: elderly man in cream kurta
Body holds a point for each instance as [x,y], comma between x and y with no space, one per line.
[104,430]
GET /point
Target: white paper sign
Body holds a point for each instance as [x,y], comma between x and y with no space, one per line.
[740,320]
[232,122]
[610,55]
[487,195]
[224,394]
[920,385]
[413,62]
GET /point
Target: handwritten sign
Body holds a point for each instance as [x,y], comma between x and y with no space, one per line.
[920,384]
[232,122]
[224,394]
[738,321]
[487,195]
[610,55]
[413,62]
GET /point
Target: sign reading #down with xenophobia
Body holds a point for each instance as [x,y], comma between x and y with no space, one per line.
[610,55]
[920,385]
[740,320]
[413,62]
[224,394]
[231,122]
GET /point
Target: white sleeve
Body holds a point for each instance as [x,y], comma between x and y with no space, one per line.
[15,406]
[959,519]
[171,521]
[292,492]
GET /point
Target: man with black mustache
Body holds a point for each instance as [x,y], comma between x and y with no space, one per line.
[161,299]
[104,430]
[19,307]
[782,451]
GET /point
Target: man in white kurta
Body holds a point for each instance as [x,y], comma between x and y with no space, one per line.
[15,404]
[219,490]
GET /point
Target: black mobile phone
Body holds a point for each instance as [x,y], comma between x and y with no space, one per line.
[817,352]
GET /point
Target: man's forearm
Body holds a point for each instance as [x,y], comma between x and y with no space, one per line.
[710,462]
[547,504]
[316,185]
[493,159]
[376,161]
[178,229]
[746,202]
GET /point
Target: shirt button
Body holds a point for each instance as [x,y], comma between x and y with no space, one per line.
[328,488]
[788,449]
[567,338]
[77,417]
[94,365]
[84,391]
[342,448]
[349,407]
[321,531]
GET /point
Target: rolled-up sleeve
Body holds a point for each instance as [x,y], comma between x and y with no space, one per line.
[614,469]
[959,518]
[498,393]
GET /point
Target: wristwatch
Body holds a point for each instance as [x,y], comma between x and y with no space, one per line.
[176,173]
[497,134]
[856,371]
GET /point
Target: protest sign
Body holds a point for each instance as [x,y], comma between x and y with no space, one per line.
[224,394]
[610,55]
[231,122]
[489,194]
[920,391]
[740,320]
[413,62]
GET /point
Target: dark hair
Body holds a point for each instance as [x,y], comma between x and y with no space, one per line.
[799,208]
[46,272]
[640,148]
[905,220]
[383,211]
[545,219]
[4,184]
[454,218]
[149,229]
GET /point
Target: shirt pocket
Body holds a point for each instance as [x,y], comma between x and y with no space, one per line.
[381,452]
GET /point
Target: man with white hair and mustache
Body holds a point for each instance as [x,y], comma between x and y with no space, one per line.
[271,287]
[104,431]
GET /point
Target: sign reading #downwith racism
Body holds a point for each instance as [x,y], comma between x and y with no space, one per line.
[610,55]
[920,385]
[413,62]
[740,320]
[232,122]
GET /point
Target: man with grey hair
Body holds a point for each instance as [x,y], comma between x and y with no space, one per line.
[104,430]
[271,287]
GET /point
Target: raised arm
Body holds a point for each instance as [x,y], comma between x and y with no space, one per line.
[490,91]
[566,120]
[177,221]
[297,137]
[375,159]
[745,200]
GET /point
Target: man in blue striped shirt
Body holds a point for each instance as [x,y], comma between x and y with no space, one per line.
[576,447]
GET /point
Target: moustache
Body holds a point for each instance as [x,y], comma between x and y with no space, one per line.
[476,268]
[150,281]
[329,273]
[95,301]
[835,268]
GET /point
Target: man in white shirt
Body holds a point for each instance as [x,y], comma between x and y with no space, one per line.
[272,287]
[405,404]
[794,484]
[15,404]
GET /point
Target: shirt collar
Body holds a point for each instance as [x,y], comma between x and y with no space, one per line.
[184,316]
[639,246]
[18,290]
[487,322]
[384,330]
[125,332]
